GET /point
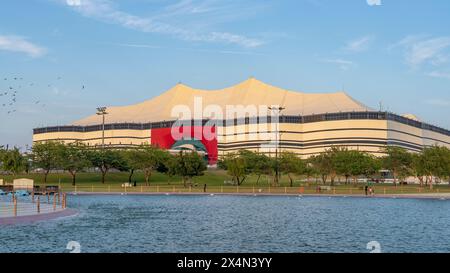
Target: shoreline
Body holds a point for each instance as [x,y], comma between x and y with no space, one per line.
[29,219]
[440,196]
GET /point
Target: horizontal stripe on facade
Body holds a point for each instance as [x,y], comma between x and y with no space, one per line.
[307,151]
[97,138]
[287,142]
[322,141]
[302,153]
[255,120]
[335,130]
[271,132]
[380,145]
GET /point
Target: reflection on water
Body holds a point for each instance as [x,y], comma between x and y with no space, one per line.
[238,224]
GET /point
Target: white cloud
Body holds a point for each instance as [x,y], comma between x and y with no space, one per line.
[428,50]
[343,64]
[20,44]
[437,74]
[73,2]
[422,50]
[374,2]
[438,102]
[229,52]
[360,44]
[106,11]
[138,45]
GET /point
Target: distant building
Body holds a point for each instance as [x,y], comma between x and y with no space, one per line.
[309,123]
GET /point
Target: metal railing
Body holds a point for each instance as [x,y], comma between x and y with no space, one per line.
[262,190]
[14,206]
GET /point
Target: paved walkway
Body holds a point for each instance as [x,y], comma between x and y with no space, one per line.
[410,196]
[27,212]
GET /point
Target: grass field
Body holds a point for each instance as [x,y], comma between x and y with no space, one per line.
[215,181]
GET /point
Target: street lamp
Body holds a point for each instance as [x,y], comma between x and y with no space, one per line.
[278,137]
[101,111]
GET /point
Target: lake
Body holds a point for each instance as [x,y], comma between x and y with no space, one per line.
[238,224]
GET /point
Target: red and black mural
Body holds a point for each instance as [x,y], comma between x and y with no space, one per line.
[162,138]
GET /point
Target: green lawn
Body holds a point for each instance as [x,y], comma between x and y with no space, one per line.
[91,182]
[211,178]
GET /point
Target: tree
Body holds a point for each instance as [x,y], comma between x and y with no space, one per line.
[106,160]
[398,161]
[343,163]
[148,159]
[75,158]
[291,164]
[340,162]
[257,163]
[371,165]
[47,156]
[323,165]
[28,160]
[418,167]
[129,162]
[363,164]
[154,159]
[353,163]
[260,164]
[447,160]
[187,165]
[2,154]
[239,165]
[436,162]
[13,161]
[309,171]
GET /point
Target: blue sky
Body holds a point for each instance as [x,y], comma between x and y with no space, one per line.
[127,51]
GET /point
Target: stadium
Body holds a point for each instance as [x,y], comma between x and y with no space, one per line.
[262,118]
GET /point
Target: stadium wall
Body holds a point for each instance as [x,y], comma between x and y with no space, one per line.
[305,136]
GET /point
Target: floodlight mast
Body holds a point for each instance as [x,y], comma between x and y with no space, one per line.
[278,137]
[101,111]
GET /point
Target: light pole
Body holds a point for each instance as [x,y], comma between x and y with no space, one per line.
[278,136]
[101,111]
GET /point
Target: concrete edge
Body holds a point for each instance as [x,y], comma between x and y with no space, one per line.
[389,196]
[37,217]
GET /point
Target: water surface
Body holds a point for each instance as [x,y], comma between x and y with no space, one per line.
[238,224]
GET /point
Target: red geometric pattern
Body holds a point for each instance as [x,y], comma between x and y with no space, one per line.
[162,138]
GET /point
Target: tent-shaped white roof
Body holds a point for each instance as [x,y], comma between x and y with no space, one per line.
[249,92]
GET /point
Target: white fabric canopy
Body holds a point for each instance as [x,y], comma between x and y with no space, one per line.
[249,92]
